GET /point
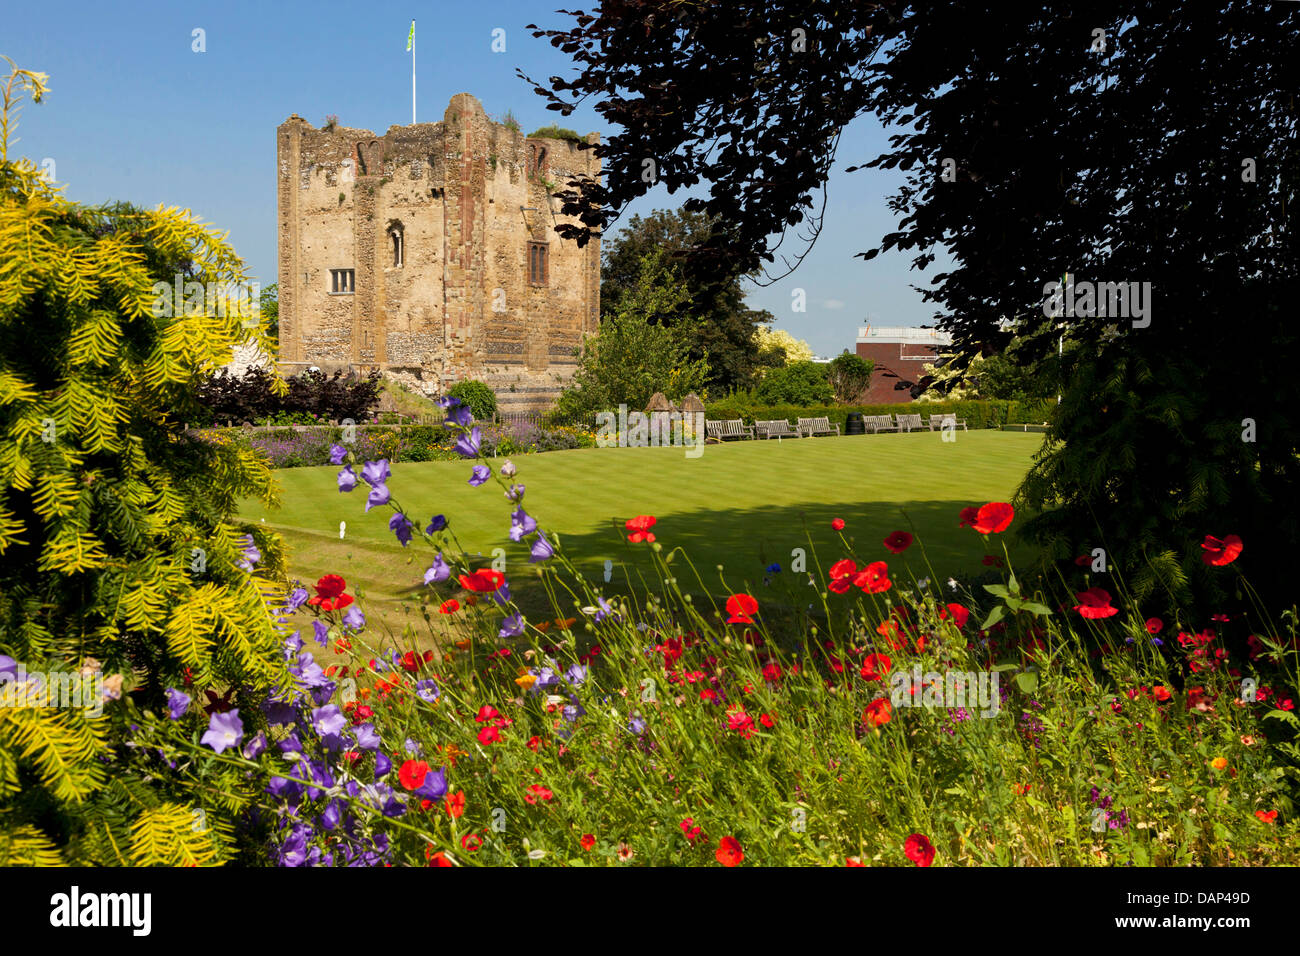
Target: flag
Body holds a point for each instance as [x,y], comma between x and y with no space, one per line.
[410,37]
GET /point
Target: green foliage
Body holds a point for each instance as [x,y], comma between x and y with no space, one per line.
[850,376]
[555,132]
[799,383]
[104,498]
[716,325]
[482,401]
[977,414]
[271,311]
[632,357]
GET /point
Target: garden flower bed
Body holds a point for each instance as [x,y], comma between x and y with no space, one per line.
[887,720]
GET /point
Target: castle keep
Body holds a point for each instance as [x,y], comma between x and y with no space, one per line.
[430,254]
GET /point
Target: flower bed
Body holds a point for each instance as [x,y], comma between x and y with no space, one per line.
[296,447]
[877,717]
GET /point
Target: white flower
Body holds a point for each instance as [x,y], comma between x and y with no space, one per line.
[952,583]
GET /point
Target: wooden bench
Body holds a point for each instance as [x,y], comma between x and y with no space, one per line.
[936,422]
[879,423]
[776,428]
[908,422]
[728,428]
[817,426]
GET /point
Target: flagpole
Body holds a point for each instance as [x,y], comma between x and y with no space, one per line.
[412,72]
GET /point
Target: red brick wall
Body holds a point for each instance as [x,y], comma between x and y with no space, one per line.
[890,369]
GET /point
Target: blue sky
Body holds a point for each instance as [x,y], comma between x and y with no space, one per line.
[135,114]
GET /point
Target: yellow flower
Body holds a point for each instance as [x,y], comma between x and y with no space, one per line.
[1218,763]
[526,681]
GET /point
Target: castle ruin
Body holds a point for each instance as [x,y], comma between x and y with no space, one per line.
[430,254]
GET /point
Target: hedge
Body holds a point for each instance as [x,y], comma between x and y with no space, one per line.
[985,413]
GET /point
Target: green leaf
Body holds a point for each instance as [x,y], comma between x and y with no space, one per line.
[994,616]
[1042,610]
[1027,681]
[1285,716]
[998,590]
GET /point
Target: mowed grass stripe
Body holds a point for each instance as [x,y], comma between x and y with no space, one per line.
[743,505]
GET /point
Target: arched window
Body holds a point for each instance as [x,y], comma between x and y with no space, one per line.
[397,243]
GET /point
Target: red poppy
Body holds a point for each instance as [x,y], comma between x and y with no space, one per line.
[843,568]
[840,585]
[533,743]
[852,861]
[1155,625]
[708,696]
[1267,816]
[455,803]
[436,859]
[968,517]
[768,721]
[587,841]
[485,713]
[489,735]
[741,607]
[994,517]
[878,712]
[918,849]
[471,842]
[640,527]
[483,581]
[1094,603]
[537,792]
[874,578]
[958,614]
[875,666]
[449,607]
[689,828]
[898,541]
[838,524]
[729,852]
[1220,552]
[413,773]
[329,586]
[1161,693]
[740,721]
[1084,560]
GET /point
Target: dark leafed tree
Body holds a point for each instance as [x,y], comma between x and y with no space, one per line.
[1136,142]
[715,322]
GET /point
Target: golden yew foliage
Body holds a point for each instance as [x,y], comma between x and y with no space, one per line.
[103,499]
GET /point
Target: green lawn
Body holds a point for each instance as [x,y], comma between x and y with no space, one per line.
[742,505]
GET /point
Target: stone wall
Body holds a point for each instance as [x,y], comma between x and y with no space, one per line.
[467,196]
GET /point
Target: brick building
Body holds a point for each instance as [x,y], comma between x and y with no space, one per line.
[430,253]
[900,354]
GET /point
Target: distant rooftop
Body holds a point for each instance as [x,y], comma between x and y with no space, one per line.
[903,335]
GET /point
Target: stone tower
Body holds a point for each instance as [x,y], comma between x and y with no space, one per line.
[430,253]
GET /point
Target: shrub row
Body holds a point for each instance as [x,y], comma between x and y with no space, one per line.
[985,413]
[298,448]
[250,397]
